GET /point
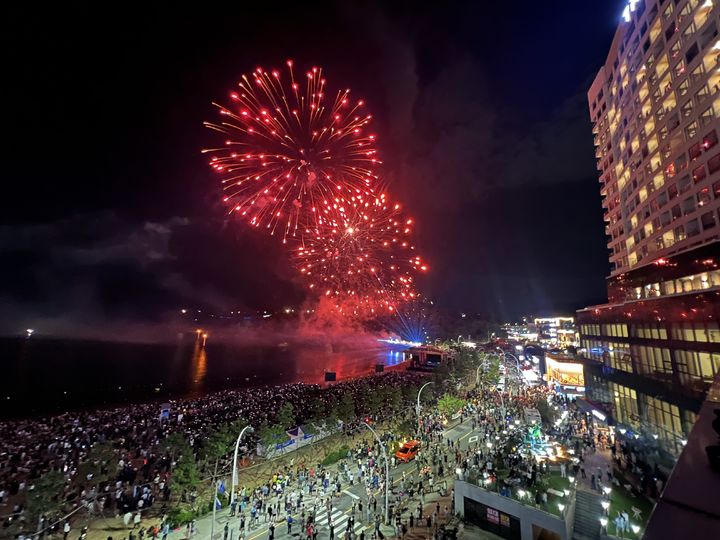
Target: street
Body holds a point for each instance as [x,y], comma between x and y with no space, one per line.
[344,506]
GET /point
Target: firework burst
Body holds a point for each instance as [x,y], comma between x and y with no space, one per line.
[365,258]
[305,168]
[292,156]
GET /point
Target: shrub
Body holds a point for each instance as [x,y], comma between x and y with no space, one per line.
[180,516]
[337,455]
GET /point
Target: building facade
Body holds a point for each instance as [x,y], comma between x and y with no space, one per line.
[556,331]
[653,349]
[654,108]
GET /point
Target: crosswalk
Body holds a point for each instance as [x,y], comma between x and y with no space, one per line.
[339,520]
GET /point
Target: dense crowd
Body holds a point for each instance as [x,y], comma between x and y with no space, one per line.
[30,448]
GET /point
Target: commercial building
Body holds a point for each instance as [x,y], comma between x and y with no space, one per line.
[653,349]
[556,331]
[564,374]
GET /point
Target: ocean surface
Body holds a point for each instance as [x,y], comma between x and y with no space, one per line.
[46,376]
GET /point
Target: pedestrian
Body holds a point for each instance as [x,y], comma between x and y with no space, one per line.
[226,530]
[271,531]
[289,524]
[592,482]
[66,530]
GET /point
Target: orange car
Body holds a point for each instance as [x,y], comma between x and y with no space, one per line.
[408,451]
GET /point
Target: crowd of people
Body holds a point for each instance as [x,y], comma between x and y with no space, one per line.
[141,471]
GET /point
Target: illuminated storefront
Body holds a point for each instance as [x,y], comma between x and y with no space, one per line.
[565,374]
[651,357]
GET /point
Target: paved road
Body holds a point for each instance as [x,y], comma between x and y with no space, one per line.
[341,509]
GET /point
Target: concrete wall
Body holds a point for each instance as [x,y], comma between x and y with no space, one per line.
[527,515]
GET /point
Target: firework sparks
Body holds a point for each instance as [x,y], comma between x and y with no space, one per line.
[290,154]
[367,256]
[306,168]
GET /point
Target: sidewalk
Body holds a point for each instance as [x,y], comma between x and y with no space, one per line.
[113,527]
[594,460]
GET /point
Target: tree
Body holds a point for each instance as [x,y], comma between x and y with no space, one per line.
[219,443]
[99,465]
[46,495]
[318,410]
[449,404]
[374,401]
[346,408]
[272,435]
[185,473]
[174,444]
[395,398]
[286,416]
[490,372]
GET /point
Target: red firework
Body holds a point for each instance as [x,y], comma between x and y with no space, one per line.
[292,160]
[365,259]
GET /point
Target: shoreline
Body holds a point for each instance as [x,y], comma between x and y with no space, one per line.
[72,376]
[175,401]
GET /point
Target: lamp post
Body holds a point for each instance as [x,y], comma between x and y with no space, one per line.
[387,469]
[417,407]
[517,366]
[214,503]
[235,456]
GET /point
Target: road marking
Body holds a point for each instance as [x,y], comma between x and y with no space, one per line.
[466,435]
[351,494]
[473,439]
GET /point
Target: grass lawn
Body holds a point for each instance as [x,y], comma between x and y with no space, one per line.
[622,500]
[558,483]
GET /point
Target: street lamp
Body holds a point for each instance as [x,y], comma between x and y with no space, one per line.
[417,408]
[235,456]
[387,468]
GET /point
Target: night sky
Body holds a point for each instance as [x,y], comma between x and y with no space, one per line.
[111,212]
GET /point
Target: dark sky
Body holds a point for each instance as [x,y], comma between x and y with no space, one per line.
[109,210]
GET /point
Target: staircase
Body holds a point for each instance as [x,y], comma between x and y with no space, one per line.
[588,511]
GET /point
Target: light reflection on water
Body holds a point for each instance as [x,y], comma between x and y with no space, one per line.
[44,375]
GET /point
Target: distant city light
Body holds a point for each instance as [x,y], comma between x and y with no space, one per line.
[30,332]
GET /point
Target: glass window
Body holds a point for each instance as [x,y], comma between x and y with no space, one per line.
[713,333]
[684,183]
[707,116]
[703,196]
[710,139]
[699,173]
[708,220]
[714,163]
[686,109]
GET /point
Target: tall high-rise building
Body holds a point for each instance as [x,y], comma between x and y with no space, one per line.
[654,107]
[654,348]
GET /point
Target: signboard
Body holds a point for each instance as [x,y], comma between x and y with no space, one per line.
[504,520]
[493,516]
